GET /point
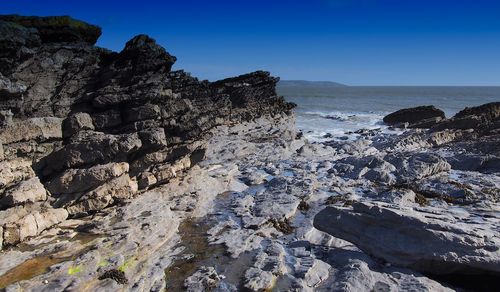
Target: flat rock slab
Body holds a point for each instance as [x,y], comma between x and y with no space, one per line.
[420,239]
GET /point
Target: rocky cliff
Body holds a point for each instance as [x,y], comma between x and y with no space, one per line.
[84,128]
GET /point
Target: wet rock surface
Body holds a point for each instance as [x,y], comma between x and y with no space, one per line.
[117,173]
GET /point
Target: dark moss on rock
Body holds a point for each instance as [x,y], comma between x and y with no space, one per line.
[116,275]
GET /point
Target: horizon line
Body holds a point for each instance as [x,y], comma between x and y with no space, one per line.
[391,85]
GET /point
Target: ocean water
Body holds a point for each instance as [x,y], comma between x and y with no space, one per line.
[339,111]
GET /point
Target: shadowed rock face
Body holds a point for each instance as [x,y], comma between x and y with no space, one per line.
[484,118]
[57,28]
[489,111]
[95,125]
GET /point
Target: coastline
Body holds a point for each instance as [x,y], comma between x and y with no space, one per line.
[155,180]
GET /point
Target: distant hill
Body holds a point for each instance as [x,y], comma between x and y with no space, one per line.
[304,83]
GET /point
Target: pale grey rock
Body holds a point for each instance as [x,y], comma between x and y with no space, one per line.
[444,137]
[39,129]
[412,167]
[305,266]
[166,172]
[259,280]
[27,191]
[254,176]
[120,188]
[14,171]
[236,239]
[400,197]
[475,162]
[145,180]
[370,167]
[425,241]
[275,205]
[85,179]
[11,89]
[204,279]
[357,272]
[19,223]
[273,259]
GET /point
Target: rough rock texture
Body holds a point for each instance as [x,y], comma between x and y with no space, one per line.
[96,127]
[57,29]
[424,241]
[22,222]
[484,118]
[426,200]
[416,117]
[121,174]
[27,191]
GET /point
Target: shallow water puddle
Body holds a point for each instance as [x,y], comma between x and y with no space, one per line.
[40,264]
[198,252]
[30,269]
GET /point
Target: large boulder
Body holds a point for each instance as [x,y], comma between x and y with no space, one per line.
[416,117]
[429,242]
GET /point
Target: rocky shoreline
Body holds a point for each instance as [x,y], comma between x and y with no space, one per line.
[118,173]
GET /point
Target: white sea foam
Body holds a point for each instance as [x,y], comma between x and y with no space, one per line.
[318,125]
[342,110]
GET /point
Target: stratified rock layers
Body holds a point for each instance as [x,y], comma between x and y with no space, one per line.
[83,128]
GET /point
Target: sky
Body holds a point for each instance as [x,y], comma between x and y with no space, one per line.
[355,42]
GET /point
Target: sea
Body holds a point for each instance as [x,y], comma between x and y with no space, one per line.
[337,112]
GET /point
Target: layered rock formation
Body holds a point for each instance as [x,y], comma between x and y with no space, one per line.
[428,199]
[207,186]
[84,128]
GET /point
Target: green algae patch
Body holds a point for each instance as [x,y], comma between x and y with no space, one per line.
[39,265]
[74,270]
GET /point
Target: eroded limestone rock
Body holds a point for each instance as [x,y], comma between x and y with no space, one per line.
[427,242]
[85,179]
[27,191]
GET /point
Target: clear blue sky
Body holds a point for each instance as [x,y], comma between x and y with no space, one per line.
[357,42]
